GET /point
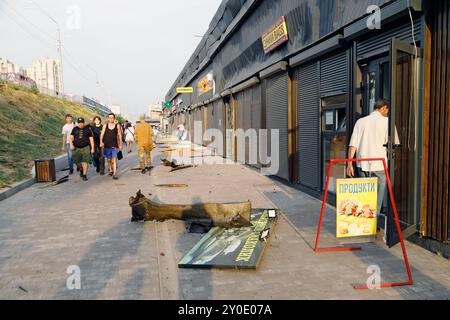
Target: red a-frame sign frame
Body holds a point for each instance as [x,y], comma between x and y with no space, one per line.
[397,223]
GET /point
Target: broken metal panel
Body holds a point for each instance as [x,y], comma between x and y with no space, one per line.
[230,215]
[233,248]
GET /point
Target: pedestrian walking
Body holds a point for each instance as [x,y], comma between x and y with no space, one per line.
[66,132]
[144,139]
[99,159]
[111,142]
[82,145]
[180,132]
[369,140]
[129,136]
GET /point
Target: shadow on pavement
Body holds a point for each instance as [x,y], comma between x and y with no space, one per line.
[99,264]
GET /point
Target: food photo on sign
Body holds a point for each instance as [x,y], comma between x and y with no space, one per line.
[356,201]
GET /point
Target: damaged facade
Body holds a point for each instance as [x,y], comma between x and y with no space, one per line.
[314,85]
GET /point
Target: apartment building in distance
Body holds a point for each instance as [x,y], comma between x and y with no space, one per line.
[116,109]
[7,66]
[47,74]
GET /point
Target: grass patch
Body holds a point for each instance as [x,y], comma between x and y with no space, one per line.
[31,129]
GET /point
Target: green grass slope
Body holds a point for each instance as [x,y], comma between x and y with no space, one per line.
[30,128]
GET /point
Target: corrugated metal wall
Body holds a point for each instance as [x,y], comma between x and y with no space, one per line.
[277,118]
[308,80]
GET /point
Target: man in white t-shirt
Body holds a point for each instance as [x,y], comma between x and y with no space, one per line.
[66,132]
[369,138]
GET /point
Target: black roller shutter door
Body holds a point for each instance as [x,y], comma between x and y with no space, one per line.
[256,117]
[210,112]
[203,120]
[240,118]
[277,118]
[309,126]
[379,40]
[191,126]
[247,120]
[334,72]
[198,119]
[219,123]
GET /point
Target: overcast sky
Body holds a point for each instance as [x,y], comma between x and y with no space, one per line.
[136,48]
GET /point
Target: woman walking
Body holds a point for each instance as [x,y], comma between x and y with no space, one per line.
[129,136]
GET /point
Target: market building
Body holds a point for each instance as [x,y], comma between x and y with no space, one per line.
[311,69]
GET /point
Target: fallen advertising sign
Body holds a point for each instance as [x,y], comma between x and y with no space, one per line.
[239,248]
[356,201]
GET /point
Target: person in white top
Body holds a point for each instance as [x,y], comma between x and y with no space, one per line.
[369,138]
[66,131]
[129,136]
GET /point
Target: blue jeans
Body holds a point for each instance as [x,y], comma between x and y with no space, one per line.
[381,185]
[69,157]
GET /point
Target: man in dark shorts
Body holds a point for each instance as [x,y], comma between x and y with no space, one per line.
[82,144]
[111,142]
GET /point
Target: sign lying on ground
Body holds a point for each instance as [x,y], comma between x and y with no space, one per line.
[275,36]
[185,90]
[240,248]
[356,201]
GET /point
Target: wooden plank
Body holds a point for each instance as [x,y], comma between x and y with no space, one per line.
[425,131]
[433,167]
[440,126]
[446,133]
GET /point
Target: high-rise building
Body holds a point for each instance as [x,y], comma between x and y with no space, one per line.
[47,74]
[115,109]
[7,66]
[155,111]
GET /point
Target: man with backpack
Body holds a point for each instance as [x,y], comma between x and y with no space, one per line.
[82,145]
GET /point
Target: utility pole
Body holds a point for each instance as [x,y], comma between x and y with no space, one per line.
[59,44]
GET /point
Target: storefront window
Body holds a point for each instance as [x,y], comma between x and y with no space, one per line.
[334,137]
[334,147]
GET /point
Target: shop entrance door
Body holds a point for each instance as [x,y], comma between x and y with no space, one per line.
[402,153]
[393,78]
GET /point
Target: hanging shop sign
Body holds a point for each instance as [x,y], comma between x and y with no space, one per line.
[240,248]
[275,36]
[168,104]
[185,90]
[206,84]
[356,201]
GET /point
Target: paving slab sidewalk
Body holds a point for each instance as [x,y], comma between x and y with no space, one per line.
[43,231]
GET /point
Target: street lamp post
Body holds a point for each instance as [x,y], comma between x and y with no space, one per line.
[59,43]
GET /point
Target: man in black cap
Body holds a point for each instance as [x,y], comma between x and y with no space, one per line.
[82,144]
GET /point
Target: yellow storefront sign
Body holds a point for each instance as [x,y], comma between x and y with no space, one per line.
[275,36]
[185,90]
[356,201]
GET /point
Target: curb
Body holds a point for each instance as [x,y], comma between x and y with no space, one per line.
[60,164]
[19,186]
